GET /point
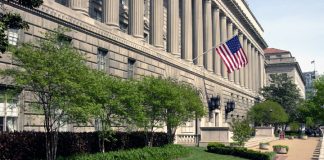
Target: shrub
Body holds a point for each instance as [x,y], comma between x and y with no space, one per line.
[31,145]
[280,146]
[240,152]
[292,133]
[148,153]
[241,131]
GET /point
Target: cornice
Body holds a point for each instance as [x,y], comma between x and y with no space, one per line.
[295,64]
[231,9]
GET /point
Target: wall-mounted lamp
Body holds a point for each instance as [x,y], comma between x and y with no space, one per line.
[214,103]
[230,106]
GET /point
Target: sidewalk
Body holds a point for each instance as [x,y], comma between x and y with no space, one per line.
[298,149]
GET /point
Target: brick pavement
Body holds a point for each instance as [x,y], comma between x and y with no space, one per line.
[298,149]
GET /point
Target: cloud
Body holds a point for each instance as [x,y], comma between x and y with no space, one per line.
[293,25]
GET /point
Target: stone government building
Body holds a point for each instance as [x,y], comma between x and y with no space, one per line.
[134,38]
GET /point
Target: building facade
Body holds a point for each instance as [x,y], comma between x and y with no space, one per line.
[134,38]
[281,61]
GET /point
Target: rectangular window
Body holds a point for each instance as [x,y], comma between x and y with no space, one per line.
[63,2]
[102,59]
[146,37]
[124,2]
[131,68]
[9,111]
[95,10]
[97,15]
[12,36]
[123,27]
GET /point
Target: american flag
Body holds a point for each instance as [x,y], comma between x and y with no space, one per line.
[232,54]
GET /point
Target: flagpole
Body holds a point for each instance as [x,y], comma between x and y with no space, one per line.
[205,52]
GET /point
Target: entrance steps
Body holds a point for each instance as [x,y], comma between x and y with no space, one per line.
[254,141]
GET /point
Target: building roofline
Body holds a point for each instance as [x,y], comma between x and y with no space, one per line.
[245,19]
[248,7]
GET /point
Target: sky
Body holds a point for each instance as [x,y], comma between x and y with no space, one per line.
[296,26]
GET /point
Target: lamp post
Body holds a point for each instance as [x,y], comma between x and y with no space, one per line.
[230,106]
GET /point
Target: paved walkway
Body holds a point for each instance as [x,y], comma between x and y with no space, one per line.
[298,149]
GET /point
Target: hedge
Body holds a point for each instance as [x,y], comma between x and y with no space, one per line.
[168,152]
[31,145]
[240,152]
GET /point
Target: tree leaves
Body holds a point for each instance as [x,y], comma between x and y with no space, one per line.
[267,112]
[283,91]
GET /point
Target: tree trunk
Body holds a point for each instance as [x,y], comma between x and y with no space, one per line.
[151,137]
[51,145]
[170,133]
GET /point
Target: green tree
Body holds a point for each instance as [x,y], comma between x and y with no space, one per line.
[311,111]
[241,131]
[169,102]
[10,20]
[58,75]
[283,91]
[119,100]
[186,106]
[267,112]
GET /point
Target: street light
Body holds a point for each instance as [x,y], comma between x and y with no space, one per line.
[230,106]
[214,103]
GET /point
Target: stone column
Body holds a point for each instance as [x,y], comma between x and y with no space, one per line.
[156,23]
[257,70]
[223,39]
[81,6]
[216,41]
[246,68]
[241,72]
[250,64]
[208,43]
[186,30]
[198,32]
[254,76]
[173,27]
[261,70]
[111,13]
[136,18]
[229,36]
[237,72]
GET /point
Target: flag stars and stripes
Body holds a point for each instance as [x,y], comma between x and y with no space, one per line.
[232,54]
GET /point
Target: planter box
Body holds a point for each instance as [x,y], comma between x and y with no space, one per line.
[280,150]
[264,146]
